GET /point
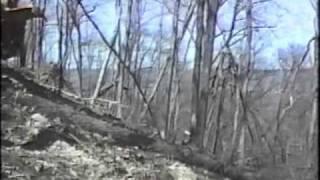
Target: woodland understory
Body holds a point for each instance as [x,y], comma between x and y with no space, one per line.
[194,92]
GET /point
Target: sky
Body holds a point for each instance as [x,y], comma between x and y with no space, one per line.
[292,21]
[294,24]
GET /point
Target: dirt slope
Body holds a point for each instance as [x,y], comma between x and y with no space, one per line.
[45,136]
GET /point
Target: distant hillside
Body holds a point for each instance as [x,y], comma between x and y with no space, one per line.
[269,77]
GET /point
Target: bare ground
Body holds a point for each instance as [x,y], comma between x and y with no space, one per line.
[72,142]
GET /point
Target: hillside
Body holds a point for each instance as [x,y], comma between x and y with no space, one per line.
[160,89]
[46,136]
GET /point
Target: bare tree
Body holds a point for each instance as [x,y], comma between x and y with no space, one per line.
[173,72]
[195,119]
[248,64]
[76,21]
[313,134]
[217,84]
[60,16]
[117,55]
[123,53]
[291,66]
[41,30]
[104,68]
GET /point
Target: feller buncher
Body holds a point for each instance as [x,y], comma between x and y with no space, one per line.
[13,23]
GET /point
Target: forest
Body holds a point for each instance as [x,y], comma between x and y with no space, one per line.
[202,82]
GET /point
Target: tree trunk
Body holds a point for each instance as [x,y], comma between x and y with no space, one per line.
[29,40]
[313,126]
[103,70]
[218,117]
[60,15]
[248,68]
[119,89]
[236,124]
[196,131]
[155,87]
[41,30]
[211,10]
[173,71]
[80,60]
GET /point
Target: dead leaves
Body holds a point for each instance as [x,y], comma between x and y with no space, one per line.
[44,146]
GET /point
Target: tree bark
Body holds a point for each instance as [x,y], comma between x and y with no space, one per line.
[196,137]
[117,55]
[103,70]
[173,71]
[155,87]
[249,67]
[313,146]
